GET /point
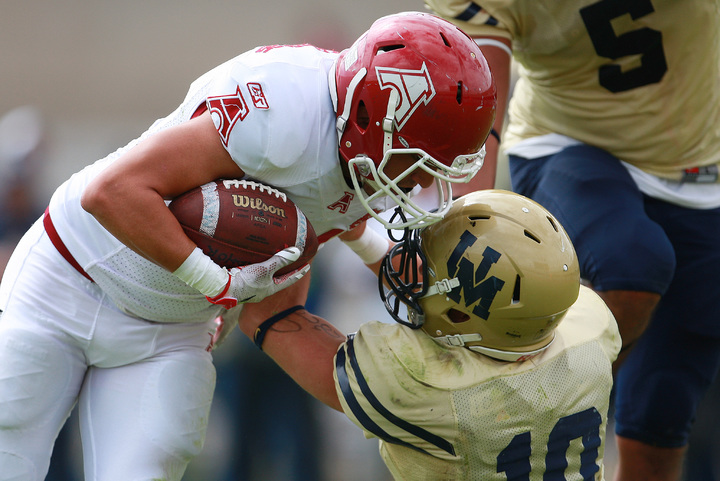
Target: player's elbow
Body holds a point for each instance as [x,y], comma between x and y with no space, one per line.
[96,199]
[331,399]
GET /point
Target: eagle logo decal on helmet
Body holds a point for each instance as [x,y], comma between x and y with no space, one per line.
[413,86]
[474,281]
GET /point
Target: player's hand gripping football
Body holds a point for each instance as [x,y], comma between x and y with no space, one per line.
[255,282]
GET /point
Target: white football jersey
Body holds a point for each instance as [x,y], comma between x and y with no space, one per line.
[448,413]
[273,111]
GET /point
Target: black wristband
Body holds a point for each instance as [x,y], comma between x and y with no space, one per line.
[495,134]
[263,328]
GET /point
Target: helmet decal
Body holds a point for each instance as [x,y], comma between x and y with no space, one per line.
[413,86]
[474,281]
[352,53]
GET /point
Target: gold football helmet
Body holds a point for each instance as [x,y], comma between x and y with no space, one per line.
[496,275]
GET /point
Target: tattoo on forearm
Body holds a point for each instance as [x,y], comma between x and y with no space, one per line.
[319,324]
[295,322]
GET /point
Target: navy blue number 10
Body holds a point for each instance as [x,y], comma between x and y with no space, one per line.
[514,460]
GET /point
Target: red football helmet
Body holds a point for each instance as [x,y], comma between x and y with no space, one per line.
[413,84]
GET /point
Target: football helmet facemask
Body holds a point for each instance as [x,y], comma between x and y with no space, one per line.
[496,275]
[412,84]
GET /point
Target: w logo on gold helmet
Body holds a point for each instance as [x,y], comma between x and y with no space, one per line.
[481,288]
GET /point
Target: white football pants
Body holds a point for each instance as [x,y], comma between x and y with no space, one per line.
[144,389]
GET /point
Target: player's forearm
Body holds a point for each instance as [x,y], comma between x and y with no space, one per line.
[368,244]
[302,344]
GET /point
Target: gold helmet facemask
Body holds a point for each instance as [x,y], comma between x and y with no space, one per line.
[496,275]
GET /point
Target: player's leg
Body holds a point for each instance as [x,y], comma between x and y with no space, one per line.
[633,311]
[638,460]
[39,379]
[658,391]
[41,365]
[665,376]
[148,419]
[624,255]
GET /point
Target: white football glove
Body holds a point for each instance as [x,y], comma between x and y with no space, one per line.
[255,282]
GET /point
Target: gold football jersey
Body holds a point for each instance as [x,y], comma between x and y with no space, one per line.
[638,78]
[447,413]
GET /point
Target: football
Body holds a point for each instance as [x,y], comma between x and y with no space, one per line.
[241,222]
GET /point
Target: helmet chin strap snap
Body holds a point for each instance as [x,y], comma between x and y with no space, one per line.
[443,286]
[389,120]
[459,340]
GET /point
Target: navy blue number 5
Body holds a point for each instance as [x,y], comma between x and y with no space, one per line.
[514,460]
[645,42]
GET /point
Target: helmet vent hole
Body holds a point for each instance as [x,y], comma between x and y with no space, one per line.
[456,317]
[444,39]
[458,96]
[516,291]
[389,48]
[475,218]
[553,224]
[531,236]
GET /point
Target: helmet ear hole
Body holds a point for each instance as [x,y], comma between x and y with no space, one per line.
[362,118]
[457,317]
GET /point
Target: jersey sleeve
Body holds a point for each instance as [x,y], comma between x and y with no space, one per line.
[470,17]
[385,401]
[445,413]
[241,129]
[592,72]
[273,112]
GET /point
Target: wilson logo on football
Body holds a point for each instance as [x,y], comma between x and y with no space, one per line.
[413,86]
[257,204]
[226,110]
